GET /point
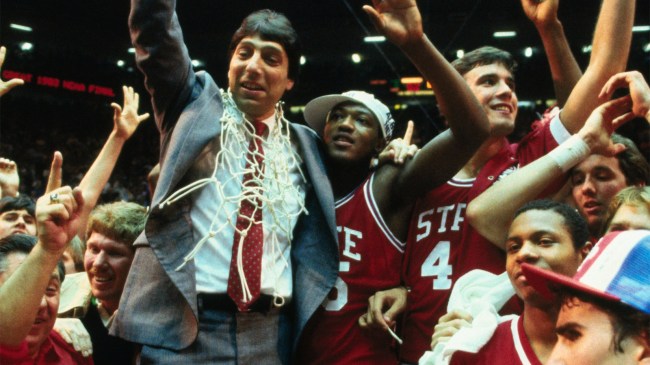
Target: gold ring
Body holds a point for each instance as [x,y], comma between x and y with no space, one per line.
[54,198]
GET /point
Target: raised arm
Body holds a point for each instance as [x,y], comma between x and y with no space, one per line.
[21,294]
[491,212]
[5,86]
[564,68]
[442,157]
[162,56]
[125,121]
[609,54]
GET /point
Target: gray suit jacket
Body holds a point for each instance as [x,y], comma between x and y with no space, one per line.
[158,306]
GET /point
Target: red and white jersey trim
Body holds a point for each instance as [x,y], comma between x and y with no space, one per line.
[517,340]
[462,183]
[374,210]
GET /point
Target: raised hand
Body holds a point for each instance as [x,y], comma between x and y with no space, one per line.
[399,20]
[541,12]
[57,212]
[639,91]
[9,179]
[399,149]
[126,119]
[602,122]
[5,86]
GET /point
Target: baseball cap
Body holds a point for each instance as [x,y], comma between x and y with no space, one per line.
[316,110]
[617,269]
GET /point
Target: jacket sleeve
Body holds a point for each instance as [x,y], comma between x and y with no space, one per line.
[162,56]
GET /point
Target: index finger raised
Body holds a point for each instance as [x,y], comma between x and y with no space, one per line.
[409,132]
[54,180]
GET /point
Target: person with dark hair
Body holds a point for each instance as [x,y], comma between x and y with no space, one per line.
[441,246]
[604,315]
[229,267]
[17,216]
[31,272]
[373,208]
[490,213]
[545,234]
[596,180]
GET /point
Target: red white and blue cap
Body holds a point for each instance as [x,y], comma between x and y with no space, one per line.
[316,111]
[617,269]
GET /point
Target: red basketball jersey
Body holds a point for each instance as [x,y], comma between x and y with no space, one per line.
[370,260]
[442,246]
[508,346]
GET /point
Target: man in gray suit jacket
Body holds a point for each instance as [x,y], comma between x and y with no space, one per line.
[175,301]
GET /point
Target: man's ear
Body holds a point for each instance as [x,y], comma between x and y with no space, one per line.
[643,356]
[290,83]
[584,251]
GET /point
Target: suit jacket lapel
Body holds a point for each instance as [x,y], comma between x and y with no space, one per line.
[312,156]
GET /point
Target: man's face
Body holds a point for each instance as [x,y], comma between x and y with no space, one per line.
[494,87]
[17,221]
[539,238]
[46,315]
[585,335]
[351,133]
[628,217]
[258,76]
[107,264]
[594,183]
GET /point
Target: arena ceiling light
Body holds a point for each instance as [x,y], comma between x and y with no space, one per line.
[374,39]
[505,34]
[22,28]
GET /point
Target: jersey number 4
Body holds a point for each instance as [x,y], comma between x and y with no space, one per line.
[437,265]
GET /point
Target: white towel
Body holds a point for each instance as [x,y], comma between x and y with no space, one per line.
[482,294]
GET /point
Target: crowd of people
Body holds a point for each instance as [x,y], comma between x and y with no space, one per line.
[258,240]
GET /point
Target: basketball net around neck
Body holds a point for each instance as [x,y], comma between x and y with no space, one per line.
[280,159]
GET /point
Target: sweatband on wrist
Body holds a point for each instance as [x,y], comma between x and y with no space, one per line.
[570,153]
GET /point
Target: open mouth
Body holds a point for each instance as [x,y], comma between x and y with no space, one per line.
[503,108]
[251,86]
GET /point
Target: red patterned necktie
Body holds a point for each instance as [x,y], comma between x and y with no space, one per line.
[254,239]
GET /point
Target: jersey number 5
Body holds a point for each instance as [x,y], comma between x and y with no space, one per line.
[437,265]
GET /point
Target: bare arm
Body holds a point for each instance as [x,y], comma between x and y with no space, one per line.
[609,54]
[564,68]
[22,292]
[441,158]
[125,121]
[492,211]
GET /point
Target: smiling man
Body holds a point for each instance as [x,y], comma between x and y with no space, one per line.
[42,345]
[112,229]
[442,246]
[229,267]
